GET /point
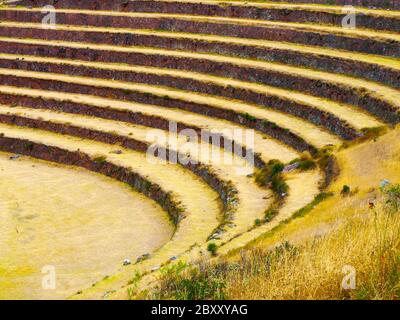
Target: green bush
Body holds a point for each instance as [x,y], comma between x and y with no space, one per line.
[270,214]
[249,117]
[265,175]
[307,164]
[212,248]
[278,185]
[345,190]
[99,159]
[393,198]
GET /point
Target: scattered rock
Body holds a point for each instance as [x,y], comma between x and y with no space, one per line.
[126,262]
[143,257]
[173,258]
[116,152]
[15,157]
[291,167]
[155,268]
[107,293]
[384,183]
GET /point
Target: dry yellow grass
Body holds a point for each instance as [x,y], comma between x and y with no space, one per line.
[358,258]
[368,242]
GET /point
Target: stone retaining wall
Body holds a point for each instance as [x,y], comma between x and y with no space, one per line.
[224,10]
[332,40]
[314,115]
[369,71]
[264,126]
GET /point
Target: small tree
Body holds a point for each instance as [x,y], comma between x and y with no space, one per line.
[212,248]
[345,190]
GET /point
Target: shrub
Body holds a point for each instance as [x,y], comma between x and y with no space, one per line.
[265,175]
[212,248]
[271,176]
[257,222]
[278,185]
[194,284]
[249,117]
[392,195]
[372,133]
[270,214]
[307,164]
[345,190]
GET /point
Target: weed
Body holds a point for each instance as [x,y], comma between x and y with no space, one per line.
[99,159]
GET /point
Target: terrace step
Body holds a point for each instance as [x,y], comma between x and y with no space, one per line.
[344,89]
[374,19]
[302,106]
[358,40]
[252,200]
[374,68]
[304,188]
[200,202]
[215,103]
[85,104]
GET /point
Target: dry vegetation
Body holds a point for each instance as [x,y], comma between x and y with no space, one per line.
[306,257]
[369,241]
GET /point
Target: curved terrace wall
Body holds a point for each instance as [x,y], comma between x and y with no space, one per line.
[58,155]
[225,189]
[225,10]
[314,115]
[366,45]
[138,118]
[369,71]
[264,126]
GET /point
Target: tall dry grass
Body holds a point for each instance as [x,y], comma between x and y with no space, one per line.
[368,243]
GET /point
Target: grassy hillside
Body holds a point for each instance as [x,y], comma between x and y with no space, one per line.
[308,257]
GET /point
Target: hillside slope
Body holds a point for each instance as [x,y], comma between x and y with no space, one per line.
[308,257]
